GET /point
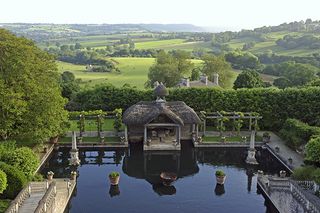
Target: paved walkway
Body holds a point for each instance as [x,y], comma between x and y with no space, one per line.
[284,151]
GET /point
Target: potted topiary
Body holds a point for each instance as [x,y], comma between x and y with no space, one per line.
[114,178]
[220,177]
[266,137]
[50,175]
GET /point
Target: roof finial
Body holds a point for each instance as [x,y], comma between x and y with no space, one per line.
[160,92]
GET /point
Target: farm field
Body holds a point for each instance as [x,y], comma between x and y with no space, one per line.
[134,71]
[270,44]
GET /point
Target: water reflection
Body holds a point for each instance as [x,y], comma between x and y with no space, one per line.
[114,190]
[219,190]
[190,165]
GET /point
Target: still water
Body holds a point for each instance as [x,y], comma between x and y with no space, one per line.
[141,189]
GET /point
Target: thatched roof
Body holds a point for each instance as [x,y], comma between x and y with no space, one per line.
[144,112]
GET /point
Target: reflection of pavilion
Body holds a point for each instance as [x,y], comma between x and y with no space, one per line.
[149,165]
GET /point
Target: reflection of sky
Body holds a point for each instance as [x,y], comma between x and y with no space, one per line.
[195,191]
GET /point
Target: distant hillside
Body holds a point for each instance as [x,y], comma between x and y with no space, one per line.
[172,28]
[41,32]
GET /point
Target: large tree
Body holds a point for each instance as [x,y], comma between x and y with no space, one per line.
[169,68]
[248,79]
[217,64]
[31,105]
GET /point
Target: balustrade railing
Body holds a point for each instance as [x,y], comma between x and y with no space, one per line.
[47,203]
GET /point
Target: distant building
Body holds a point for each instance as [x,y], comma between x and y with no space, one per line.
[202,82]
[89,67]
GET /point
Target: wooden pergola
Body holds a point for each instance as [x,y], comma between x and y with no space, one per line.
[253,117]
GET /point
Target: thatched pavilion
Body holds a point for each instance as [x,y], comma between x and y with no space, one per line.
[161,125]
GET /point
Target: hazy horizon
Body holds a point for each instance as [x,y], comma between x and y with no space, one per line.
[226,15]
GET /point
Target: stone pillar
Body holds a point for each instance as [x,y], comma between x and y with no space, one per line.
[216,78]
[251,158]
[126,133]
[145,135]
[75,161]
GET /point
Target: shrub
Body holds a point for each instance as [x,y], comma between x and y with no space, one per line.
[114,174]
[3,181]
[16,180]
[6,146]
[307,173]
[220,173]
[24,159]
[37,177]
[297,133]
[313,150]
[316,175]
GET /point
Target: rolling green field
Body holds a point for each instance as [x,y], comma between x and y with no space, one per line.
[134,71]
[270,44]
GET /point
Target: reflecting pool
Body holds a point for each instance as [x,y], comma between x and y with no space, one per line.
[142,190]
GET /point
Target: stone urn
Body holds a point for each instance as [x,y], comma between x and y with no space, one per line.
[277,149]
[54,140]
[290,160]
[168,178]
[50,175]
[45,149]
[73,175]
[220,177]
[102,139]
[223,139]
[283,174]
[266,137]
[114,178]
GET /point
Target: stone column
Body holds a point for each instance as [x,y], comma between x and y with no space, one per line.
[251,158]
[145,136]
[126,133]
[75,161]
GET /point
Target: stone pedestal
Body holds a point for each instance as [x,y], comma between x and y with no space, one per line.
[251,158]
[74,160]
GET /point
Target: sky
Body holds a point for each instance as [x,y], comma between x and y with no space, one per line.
[227,14]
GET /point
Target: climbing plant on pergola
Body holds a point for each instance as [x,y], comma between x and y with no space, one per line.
[236,117]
